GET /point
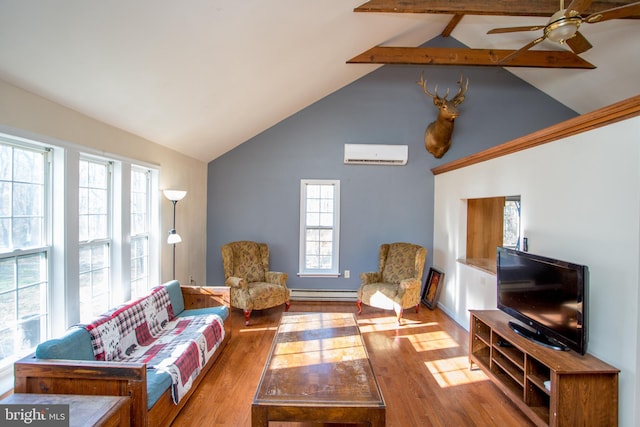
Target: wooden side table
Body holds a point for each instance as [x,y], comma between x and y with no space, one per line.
[101,411]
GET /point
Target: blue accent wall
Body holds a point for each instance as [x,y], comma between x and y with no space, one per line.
[254,190]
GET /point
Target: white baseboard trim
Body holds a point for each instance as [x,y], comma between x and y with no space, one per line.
[323,295]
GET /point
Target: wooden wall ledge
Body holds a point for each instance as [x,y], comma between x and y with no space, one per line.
[604,116]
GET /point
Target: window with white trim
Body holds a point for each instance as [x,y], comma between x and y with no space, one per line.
[94,220]
[511,231]
[319,227]
[140,228]
[24,249]
[110,235]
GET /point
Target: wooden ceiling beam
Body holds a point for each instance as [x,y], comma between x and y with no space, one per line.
[544,8]
[465,56]
[452,24]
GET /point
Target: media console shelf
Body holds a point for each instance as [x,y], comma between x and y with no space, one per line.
[553,388]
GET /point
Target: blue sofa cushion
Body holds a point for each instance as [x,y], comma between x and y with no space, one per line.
[75,344]
[157,384]
[175,296]
[221,311]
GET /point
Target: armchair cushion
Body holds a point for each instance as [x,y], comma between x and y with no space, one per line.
[380,295]
[265,295]
[248,261]
[400,263]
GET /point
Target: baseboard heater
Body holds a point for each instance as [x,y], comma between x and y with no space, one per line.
[323,295]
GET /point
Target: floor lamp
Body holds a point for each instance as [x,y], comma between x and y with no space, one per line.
[174,196]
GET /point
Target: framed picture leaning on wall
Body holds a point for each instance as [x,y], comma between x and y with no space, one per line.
[432,288]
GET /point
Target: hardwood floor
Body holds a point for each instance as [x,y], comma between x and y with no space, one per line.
[422,367]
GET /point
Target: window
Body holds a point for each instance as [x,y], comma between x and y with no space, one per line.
[95,237]
[491,222]
[511,233]
[76,230]
[140,227]
[319,227]
[24,250]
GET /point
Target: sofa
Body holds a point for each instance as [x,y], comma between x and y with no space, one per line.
[155,350]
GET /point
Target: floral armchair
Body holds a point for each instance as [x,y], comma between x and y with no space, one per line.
[397,284]
[253,286]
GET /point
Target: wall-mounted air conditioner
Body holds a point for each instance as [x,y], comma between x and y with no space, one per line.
[375,154]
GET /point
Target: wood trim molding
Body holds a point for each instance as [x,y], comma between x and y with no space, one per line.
[619,111]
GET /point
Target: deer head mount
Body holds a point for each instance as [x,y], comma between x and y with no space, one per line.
[437,138]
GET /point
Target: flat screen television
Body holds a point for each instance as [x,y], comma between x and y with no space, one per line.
[547,295]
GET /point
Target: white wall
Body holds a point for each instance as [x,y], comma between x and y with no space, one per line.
[33,116]
[580,203]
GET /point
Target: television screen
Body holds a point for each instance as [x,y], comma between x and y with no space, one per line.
[547,295]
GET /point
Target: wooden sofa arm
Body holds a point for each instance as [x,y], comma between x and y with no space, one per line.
[49,376]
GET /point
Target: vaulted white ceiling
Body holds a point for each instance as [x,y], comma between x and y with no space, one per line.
[203,76]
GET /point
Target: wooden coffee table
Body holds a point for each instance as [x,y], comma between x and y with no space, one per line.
[318,370]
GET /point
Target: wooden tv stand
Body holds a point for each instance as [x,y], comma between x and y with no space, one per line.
[580,390]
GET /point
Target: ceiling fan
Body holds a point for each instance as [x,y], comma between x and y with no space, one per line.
[563,26]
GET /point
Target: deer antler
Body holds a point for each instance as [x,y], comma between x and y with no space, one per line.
[457,100]
[423,83]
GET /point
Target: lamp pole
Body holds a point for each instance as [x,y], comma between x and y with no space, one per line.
[174,245]
[174,196]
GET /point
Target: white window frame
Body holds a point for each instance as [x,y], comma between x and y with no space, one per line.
[105,242]
[141,236]
[15,254]
[334,270]
[61,247]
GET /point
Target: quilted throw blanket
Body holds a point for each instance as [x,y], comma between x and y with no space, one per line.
[182,349]
[146,331]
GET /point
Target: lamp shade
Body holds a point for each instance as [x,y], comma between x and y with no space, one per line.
[174,237]
[174,195]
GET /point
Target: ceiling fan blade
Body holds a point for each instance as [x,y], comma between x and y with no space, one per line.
[515,29]
[632,9]
[578,43]
[522,49]
[576,7]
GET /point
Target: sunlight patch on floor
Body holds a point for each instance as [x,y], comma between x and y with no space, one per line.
[436,340]
[378,324]
[454,371]
[390,323]
[251,329]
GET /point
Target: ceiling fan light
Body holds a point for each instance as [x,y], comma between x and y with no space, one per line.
[562,30]
[560,27]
